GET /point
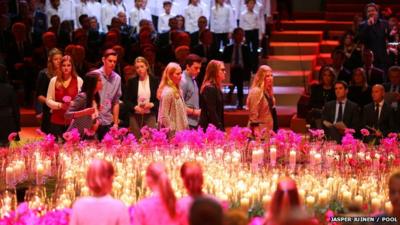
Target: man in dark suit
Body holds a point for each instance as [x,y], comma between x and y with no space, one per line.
[392,88]
[239,56]
[338,59]
[374,74]
[373,33]
[378,116]
[340,113]
[195,36]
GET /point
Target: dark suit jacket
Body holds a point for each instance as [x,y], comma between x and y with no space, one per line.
[317,98]
[386,123]
[388,86]
[212,53]
[350,114]
[377,76]
[246,55]
[131,93]
[212,108]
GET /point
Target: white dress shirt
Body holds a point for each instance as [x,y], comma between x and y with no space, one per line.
[50,12]
[192,14]
[108,11]
[67,11]
[129,4]
[95,11]
[206,6]
[136,15]
[144,92]
[82,8]
[163,21]
[222,19]
[251,21]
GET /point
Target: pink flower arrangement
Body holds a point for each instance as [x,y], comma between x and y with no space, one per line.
[349,131]
[239,134]
[191,138]
[317,133]
[364,132]
[154,137]
[49,146]
[89,132]
[12,136]
[214,136]
[72,137]
[129,140]
[108,141]
[66,99]
[123,131]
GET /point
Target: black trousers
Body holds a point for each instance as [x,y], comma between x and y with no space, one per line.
[237,80]
[58,130]
[102,131]
[253,42]
[221,37]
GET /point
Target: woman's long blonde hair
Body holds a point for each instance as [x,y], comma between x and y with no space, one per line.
[167,81]
[259,78]
[73,71]
[212,70]
[51,71]
[145,62]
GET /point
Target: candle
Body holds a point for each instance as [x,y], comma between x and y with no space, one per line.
[292,159]
[310,200]
[375,204]
[388,207]
[346,197]
[9,176]
[244,202]
[323,197]
[272,155]
[39,173]
[358,200]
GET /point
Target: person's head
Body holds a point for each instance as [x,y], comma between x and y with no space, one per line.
[94,25]
[19,31]
[326,76]
[338,58]
[122,18]
[55,21]
[368,57]
[215,74]
[263,78]
[78,54]
[173,23]
[250,4]
[158,181]
[99,177]
[55,3]
[393,22]
[394,75]
[219,2]
[167,5]
[91,86]
[206,37]
[202,23]
[181,53]
[109,60]
[348,38]
[193,65]
[238,35]
[394,190]
[194,2]
[115,23]
[67,66]
[139,4]
[386,12]
[341,90]
[359,77]
[54,62]
[371,10]
[284,200]
[129,72]
[192,176]
[205,211]
[49,40]
[149,53]
[171,77]
[80,37]
[84,21]
[180,22]
[66,27]
[378,92]
[142,67]
[120,51]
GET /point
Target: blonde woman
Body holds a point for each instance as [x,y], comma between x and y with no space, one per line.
[172,109]
[211,97]
[261,101]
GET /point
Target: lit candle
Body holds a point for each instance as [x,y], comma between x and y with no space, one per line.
[375,204]
[9,176]
[310,200]
[388,207]
[358,200]
[39,173]
[272,155]
[292,159]
[244,202]
[346,197]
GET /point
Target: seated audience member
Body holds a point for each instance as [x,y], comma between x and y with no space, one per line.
[241,64]
[206,211]
[9,109]
[84,109]
[351,50]
[359,91]
[340,114]
[141,97]
[172,109]
[101,208]
[341,73]
[392,88]
[211,97]
[378,116]
[54,25]
[261,101]
[321,93]
[374,74]
[373,33]
[190,90]
[162,200]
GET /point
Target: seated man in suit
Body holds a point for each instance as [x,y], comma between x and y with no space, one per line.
[339,114]
[392,88]
[378,116]
[338,59]
[374,74]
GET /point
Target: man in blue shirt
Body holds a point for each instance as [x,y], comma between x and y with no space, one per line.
[190,90]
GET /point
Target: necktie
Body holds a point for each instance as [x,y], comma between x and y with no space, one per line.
[376,115]
[340,113]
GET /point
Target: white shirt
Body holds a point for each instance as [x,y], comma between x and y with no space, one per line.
[163,21]
[108,11]
[129,5]
[82,8]
[206,7]
[144,92]
[222,19]
[157,8]
[136,15]
[192,14]
[95,11]
[67,11]
[337,109]
[50,12]
[251,21]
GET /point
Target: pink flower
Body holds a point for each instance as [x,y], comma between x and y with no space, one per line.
[89,132]
[364,132]
[40,132]
[12,136]
[67,136]
[328,215]
[123,131]
[349,131]
[392,135]
[66,99]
